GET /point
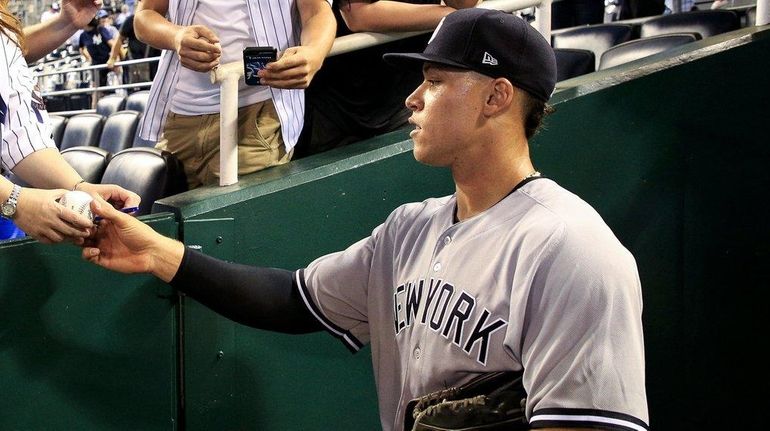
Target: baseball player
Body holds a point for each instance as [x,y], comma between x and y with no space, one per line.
[511,272]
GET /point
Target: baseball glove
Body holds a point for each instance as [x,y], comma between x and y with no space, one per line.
[490,402]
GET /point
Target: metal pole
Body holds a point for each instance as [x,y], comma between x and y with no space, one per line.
[228,75]
[543,19]
[763,12]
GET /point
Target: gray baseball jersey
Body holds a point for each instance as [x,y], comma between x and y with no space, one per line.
[537,282]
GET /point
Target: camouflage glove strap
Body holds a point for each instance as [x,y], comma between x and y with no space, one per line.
[490,402]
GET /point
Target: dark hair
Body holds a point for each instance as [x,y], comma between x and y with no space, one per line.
[535,111]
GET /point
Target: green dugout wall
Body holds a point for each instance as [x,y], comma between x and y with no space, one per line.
[672,151]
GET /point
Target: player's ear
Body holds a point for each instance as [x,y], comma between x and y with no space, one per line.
[500,96]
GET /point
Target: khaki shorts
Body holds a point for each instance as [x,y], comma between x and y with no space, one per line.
[195,141]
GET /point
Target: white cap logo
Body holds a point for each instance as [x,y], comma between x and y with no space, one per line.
[488,59]
[435,32]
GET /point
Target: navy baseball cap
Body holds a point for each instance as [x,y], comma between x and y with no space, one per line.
[493,43]
[102,14]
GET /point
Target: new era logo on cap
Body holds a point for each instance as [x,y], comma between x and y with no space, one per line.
[467,38]
[488,59]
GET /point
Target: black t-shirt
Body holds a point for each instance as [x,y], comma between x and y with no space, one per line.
[358,93]
[136,47]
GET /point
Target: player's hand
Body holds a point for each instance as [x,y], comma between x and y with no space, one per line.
[198,48]
[39,215]
[114,194]
[295,69]
[79,12]
[121,242]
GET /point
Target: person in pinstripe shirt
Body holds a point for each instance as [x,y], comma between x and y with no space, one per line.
[182,115]
[27,148]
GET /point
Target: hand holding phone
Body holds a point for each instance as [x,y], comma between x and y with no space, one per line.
[255,58]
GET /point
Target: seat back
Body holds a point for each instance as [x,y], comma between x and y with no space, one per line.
[110,104]
[596,38]
[640,48]
[89,162]
[704,22]
[58,124]
[573,62]
[82,129]
[137,101]
[151,173]
[119,130]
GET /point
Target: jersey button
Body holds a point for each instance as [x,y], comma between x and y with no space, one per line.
[417,353]
[437,267]
[447,240]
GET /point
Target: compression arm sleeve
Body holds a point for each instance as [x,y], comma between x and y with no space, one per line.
[264,298]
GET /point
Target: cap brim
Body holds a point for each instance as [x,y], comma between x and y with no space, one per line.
[411,60]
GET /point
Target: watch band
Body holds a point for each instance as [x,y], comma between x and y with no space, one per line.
[9,206]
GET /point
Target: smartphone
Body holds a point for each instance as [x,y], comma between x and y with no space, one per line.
[255,58]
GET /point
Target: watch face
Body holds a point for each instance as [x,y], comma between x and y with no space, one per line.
[8,210]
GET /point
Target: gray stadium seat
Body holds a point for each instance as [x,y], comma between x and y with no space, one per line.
[151,173]
[82,129]
[110,104]
[58,124]
[596,38]
[640,48]
[89,162]
[751,16]
[704,22]
[137,101]
[119,130]
[573,62]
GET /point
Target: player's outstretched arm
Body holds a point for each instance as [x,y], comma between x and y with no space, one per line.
[264,298]
[124,244]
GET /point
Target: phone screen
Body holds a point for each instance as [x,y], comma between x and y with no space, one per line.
[254,60]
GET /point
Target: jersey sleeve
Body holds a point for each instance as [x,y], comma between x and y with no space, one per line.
[25,123]
[583,348]
[335,290]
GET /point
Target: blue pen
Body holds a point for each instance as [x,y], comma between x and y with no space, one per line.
[127,210]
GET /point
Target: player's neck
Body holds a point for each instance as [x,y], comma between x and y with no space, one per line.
[481,185]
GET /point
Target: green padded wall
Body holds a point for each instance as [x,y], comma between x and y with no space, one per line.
[82,348]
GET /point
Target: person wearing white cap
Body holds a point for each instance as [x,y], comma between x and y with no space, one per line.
[512,273]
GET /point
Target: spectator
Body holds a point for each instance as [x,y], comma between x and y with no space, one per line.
[95,45]
[27,149]
[510,273]
[136,50]
[571,13]
[121,17]
[104,18]
[51,12]
[355,95]
[184,104]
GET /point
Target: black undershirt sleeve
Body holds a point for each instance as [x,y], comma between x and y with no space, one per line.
[264,298]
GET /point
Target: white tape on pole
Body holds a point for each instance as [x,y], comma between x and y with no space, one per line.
[228,76]
[763,12]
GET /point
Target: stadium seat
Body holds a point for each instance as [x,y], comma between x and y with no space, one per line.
[89,162]
[573,62]
[110,104]
[151,173]
[118,132]
[704,22]
[82,129]
[751,16]
[58,124]
[640,48]
[137,101]
[596,38]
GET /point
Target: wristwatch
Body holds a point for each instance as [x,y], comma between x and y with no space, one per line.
[8,209]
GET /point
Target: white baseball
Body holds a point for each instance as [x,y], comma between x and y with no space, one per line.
[78,201]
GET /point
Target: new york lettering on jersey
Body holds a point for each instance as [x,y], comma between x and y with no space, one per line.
[448,312]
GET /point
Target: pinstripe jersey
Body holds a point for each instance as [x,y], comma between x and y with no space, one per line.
[25,124]
[537,282]
[274,23]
